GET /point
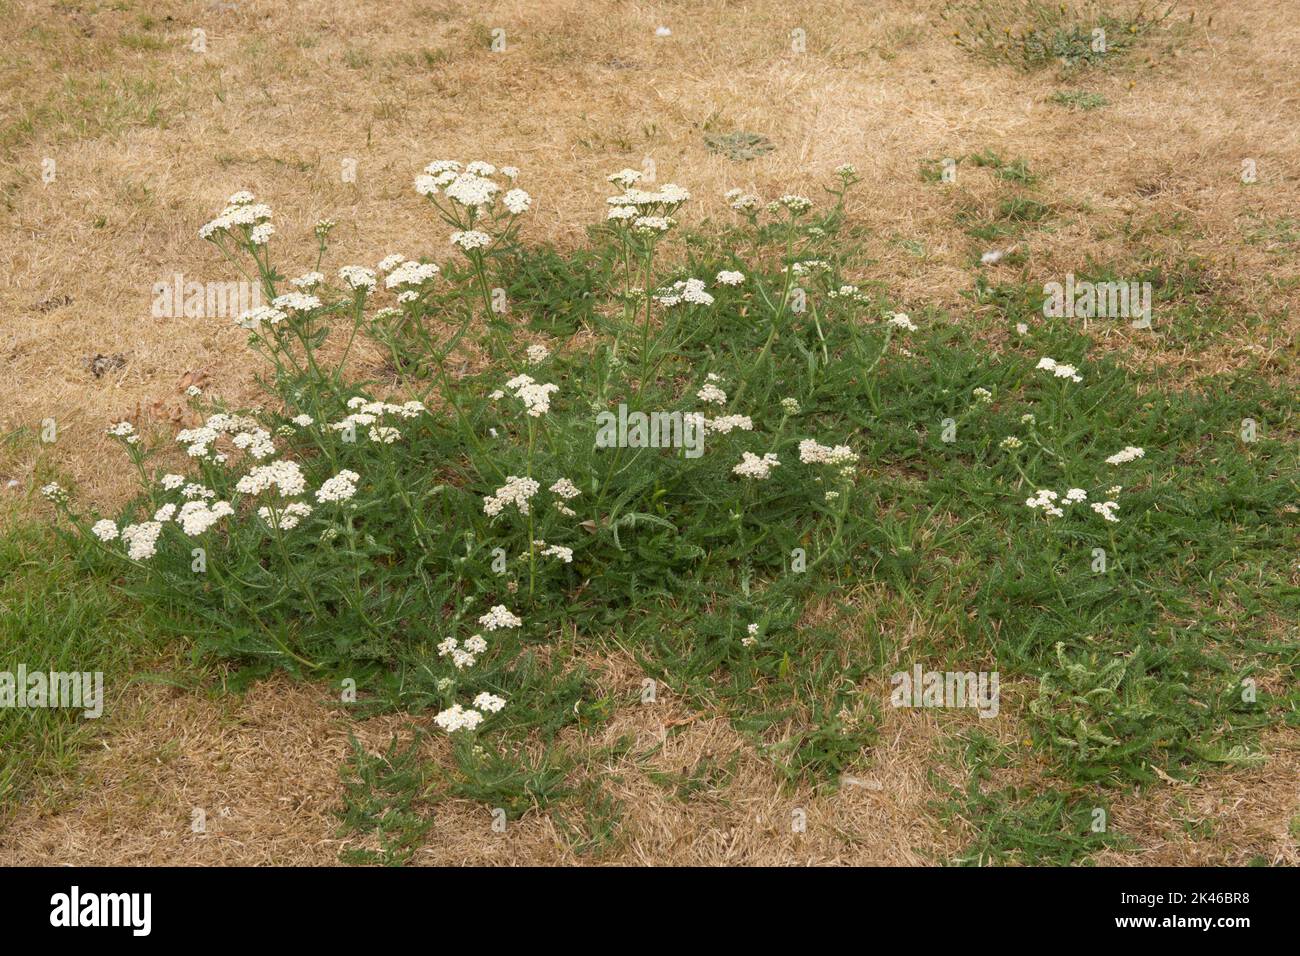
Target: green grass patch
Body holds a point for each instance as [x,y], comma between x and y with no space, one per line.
[1032,35]
[59,612]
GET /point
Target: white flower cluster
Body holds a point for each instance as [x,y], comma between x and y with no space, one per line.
[690,291]
[1046,499]
[627,178]
[196,517]
[296,302]
[730,277]
[489,702]
[651,225]
[812,453]
[456,718]
[240,213]
[1054,505]
[308,280]
[711,394]
[253,318]
[1130,453]
[516,491]
[471,239]
[339,488]
[535,396]
[1059,370]
[142,539]
[471,189]
[125,431]
[409,274]
[285,476]
[751,466]
[668,195]
[465,655]
[256,442]
[810,267]
[366,414]
[358,277]
[558,551]
[850,292]
[566,490]
[900,320]
[1106,509]
[726,424]
[200,440]
[517,202]
[499,617]
[472,186]
[648,211]
[797,205]
[286,518]
[742,201]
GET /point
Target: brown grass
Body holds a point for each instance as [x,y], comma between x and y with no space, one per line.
[148,143]
[265,769]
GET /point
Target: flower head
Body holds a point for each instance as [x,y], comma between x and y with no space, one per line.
[499,617]
[751,466]
[627,178]
[812,453]
[489,702]
[358,277]
[536,396]
[456,718]
[285,476]
[142,539]
[471,189]
[517,201]
[410,273]
[470,240]
[339,488]
[1130,453]
[516,491]
[711,394]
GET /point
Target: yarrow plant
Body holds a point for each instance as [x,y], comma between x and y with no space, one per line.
[348,524]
